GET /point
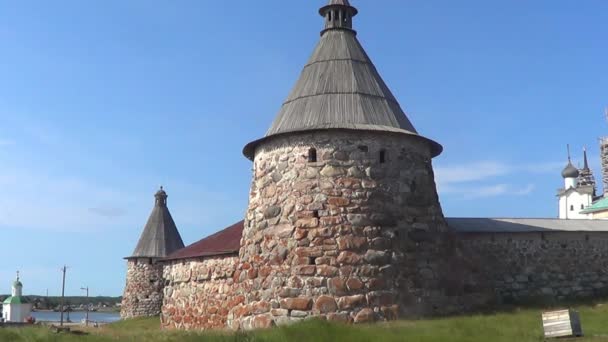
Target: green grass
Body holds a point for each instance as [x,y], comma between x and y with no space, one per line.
[515,326]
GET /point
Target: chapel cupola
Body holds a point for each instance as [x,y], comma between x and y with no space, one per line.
[570,174]
[338,14]
[17,287]
[570,171]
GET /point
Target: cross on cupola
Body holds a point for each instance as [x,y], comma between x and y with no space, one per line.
[339,15]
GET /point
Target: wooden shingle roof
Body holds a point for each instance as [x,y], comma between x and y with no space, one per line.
[224,242]
[160,236]
[340,88]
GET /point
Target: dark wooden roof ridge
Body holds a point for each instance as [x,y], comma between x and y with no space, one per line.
[224,242]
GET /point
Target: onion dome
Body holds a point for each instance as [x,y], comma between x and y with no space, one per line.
[340,89]
[570,171]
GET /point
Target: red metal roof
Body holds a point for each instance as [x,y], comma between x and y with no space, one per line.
[226,241]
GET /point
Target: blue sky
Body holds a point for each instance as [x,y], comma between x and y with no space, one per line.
[103,101]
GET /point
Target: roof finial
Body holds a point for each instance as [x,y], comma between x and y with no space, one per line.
[338,14]
[585,163]
[17,275]
[568,147]
[161,197]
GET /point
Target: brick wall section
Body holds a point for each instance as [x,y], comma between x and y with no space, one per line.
[199,293]
[550,265]
[143,291]
[346,238]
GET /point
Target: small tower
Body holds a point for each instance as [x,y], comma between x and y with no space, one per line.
[338,14]
[16,308]
[343,218]
[143,293]
[574,197]
[585,177]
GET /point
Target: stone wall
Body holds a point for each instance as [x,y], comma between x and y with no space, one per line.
[143,291]
[199,293]
[349,237]
[549,266]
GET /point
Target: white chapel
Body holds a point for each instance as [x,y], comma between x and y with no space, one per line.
[16,308]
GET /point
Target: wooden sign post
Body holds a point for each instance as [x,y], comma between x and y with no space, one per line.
[562,323]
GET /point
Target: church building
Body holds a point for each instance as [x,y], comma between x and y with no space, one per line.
[16,308]
[578,192]
[578,198]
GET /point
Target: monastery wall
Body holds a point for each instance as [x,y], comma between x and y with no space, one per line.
[199,293]
[549,266]
[484,269]
[143,295]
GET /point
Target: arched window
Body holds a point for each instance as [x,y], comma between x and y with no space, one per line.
[571,208]
[382,156]
[312,155]
[582,206]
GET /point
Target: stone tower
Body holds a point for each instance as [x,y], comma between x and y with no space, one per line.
[143,294]
[344,219]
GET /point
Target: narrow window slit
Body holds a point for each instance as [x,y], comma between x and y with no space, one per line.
[382,156]
[312,155]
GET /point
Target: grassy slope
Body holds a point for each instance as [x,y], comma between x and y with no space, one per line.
[518,326]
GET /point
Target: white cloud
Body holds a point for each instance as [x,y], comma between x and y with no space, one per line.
[6,142]
[477,171]
[470,181]
[485,191]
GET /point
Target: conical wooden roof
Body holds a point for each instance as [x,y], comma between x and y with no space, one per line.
[340,88]
[160,236]
[339,2]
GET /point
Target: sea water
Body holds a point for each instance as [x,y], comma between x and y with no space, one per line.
[76,316]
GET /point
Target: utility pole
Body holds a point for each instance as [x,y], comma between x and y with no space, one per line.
[62,294]
[86,320]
